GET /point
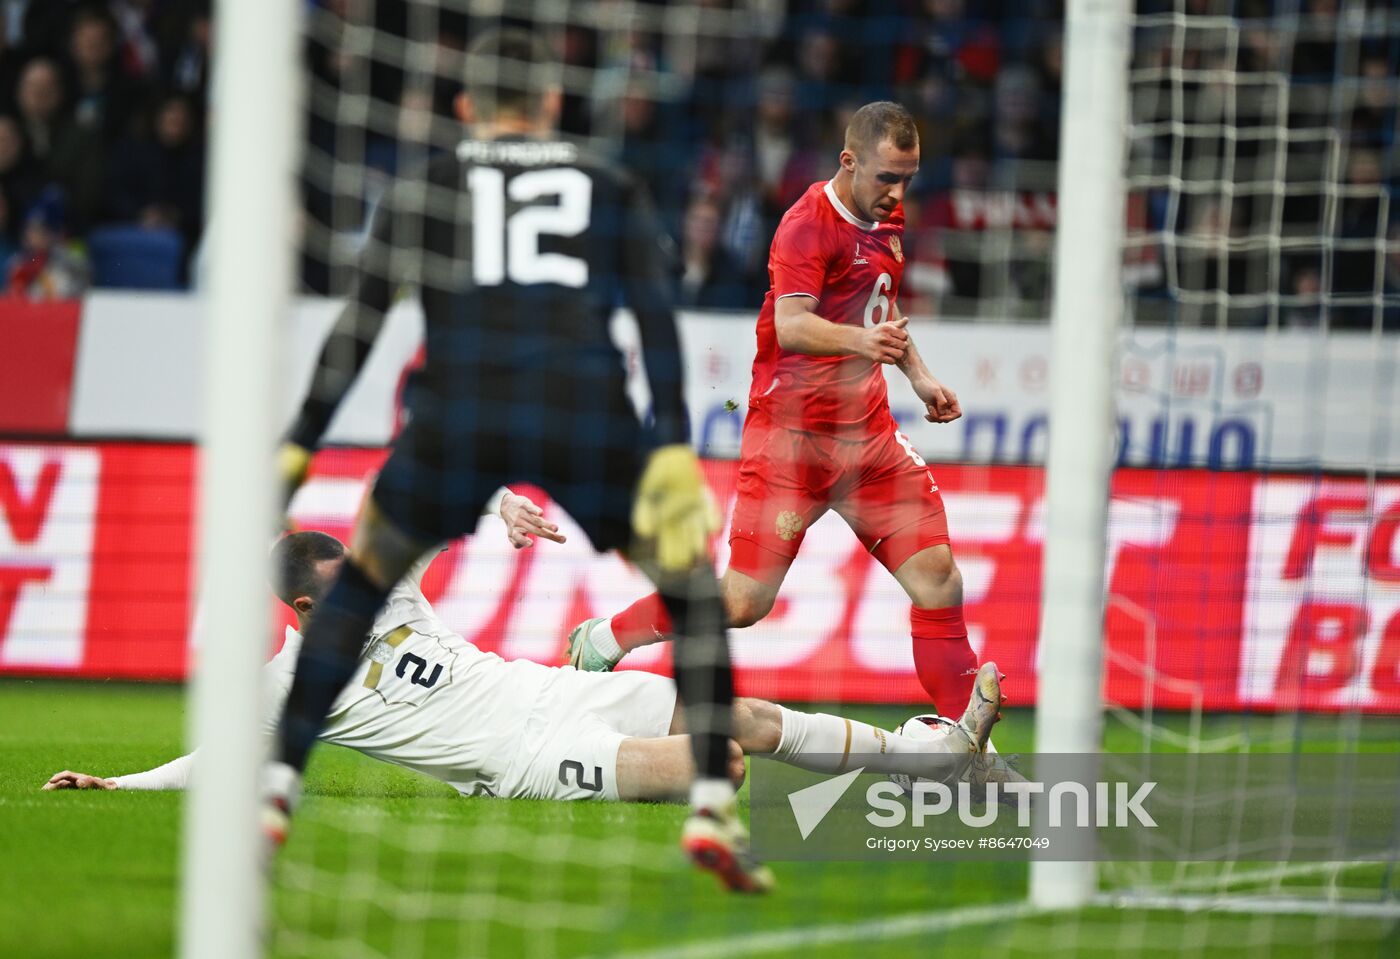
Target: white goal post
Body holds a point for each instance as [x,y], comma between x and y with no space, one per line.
[252,198]
[1088,302]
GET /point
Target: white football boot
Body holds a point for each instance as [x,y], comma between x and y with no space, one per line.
[983,708]
[581,652]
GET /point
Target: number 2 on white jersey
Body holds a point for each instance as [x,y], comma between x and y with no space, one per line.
[519,258]
[878,302]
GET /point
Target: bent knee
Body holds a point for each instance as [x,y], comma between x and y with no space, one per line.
[932,579]
[939,566]
[744,611]
[950,578]
[746,600]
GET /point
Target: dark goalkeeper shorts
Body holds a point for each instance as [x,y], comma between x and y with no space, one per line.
[580,442]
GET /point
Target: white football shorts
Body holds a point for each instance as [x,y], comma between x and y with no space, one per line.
[568,748]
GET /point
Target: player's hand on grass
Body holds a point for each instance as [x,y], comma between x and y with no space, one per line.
[675,508]
[940,402]
[71,780]
[524,519]
[885,342]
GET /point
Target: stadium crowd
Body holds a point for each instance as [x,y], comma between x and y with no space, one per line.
[730,113]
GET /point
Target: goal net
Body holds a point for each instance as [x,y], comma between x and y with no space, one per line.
[1259,264]
[1253,534]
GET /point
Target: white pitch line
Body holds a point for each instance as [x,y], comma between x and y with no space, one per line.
[1262,874]
[901,927]
[1275,906]
[872,930]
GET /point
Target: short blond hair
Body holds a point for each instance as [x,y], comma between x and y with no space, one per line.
[877,122]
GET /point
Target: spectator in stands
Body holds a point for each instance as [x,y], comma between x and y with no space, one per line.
[926,279]
[65,152]
[821,76]
[1373,121]
[1261,50]
[710,277]
[1356,268]
[950,228]
[20,179]
[726,173]
[157,180]
[785,163]
[1021,132]
[773,121]
[46,268]
[8,246]
[1050,65]
[185,57]
[39,97]
[38,27]
[934,101]
[962,39]
[137,50]
[1315,52]
[652,148]
[1305,311]
[9,58]
[103,97]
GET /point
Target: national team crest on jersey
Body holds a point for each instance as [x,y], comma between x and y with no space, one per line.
[789,524]
[405,667]
[897,249]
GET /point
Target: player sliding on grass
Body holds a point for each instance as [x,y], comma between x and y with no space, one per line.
[819,434]
[520,246]
[424,698]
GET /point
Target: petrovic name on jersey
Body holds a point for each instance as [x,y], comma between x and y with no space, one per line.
[852,267]
[516,152]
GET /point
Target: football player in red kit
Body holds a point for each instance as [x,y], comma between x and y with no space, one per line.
[819,434]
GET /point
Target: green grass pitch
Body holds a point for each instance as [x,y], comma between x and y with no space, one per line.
[385,863]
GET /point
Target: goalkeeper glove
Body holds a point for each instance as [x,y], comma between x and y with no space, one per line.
[293,462]
[673,505]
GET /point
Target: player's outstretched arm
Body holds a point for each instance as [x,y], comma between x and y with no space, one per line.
[172,775]
[345,352]
[799,330]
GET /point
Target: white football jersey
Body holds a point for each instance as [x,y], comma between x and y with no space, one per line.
[425,698]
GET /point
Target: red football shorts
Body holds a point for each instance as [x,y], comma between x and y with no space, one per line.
[788,479]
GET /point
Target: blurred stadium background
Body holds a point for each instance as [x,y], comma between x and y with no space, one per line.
[1253,570]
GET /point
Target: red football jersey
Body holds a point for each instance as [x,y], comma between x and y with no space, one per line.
[853,268]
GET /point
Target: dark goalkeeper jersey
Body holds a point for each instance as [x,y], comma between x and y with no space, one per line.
[520,251]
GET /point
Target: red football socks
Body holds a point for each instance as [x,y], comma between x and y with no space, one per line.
[641,624]
[943,658]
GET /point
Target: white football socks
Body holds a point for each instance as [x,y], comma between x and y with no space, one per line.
[715,795]
[604,642]
[824,743]
[281,781]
